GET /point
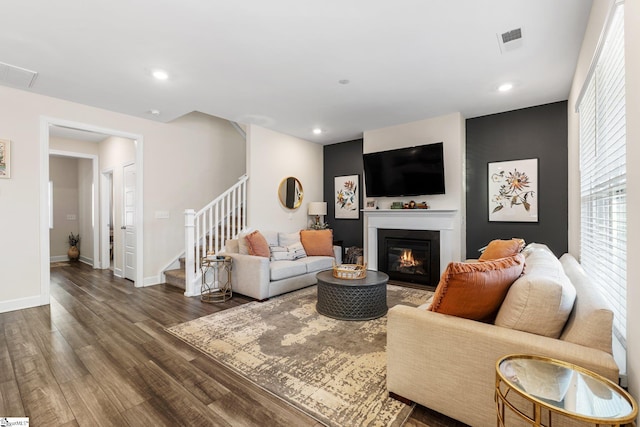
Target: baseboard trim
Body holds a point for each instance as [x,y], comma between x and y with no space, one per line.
[21,303]
[151,281]
[59,258]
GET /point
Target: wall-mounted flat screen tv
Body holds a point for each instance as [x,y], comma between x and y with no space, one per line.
[412,171]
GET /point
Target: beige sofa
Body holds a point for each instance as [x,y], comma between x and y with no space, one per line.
[261,278]
[447,363]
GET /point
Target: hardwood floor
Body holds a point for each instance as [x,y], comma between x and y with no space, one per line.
[98,355]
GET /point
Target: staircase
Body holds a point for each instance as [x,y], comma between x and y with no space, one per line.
[206,231]
[178,276]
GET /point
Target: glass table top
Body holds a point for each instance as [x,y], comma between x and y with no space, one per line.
[565,388]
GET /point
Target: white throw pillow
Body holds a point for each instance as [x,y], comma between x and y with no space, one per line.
[541,300]
[243,245]
[288,239]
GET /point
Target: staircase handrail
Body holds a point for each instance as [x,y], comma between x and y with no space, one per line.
[207,230]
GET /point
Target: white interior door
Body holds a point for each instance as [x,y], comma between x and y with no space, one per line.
[129,224]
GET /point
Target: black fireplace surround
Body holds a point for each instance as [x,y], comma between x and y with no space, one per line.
[410,255]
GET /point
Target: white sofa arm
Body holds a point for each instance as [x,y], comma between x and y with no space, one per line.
[447,363]
[250,275]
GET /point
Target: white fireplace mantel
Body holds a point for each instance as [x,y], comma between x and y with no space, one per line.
[446,221]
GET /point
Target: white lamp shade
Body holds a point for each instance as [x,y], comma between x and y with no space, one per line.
[317,208]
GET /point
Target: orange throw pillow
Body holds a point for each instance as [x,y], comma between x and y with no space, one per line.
[476,290]
[317,242]
[497,249]
[258,245]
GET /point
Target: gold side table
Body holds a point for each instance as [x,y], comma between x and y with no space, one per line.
[560,388]
[216,278]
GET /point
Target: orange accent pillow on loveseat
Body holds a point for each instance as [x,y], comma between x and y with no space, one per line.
[317,242]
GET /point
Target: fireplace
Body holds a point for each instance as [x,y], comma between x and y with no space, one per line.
[410,255]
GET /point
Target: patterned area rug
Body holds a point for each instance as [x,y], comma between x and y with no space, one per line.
[333,370]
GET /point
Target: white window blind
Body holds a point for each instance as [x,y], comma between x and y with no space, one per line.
[603,249]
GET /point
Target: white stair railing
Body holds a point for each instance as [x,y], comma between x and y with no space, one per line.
[208,229]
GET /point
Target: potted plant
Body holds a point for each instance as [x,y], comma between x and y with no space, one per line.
[73,252]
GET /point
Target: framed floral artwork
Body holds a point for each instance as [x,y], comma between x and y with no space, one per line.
[347,203]
[513,191]
[5,158]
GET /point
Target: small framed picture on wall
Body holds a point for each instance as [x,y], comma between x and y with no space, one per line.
[5,158]
[347,203]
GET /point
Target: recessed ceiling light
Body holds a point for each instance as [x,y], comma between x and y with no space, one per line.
[344,81]
[317,131]
[154,112]
[505,87]
[160,74]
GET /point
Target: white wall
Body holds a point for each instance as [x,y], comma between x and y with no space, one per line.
[186,162]
[597,19]
[271,157]
[449,129]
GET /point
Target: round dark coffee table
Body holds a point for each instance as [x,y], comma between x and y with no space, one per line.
[358,299]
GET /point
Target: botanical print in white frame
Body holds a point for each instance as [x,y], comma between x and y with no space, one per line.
[513,191]
[5,158]
[347,203]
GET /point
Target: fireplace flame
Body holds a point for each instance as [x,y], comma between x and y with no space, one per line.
[406,260]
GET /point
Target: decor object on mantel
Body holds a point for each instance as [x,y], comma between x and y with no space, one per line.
[335,371]
[73,253]
[318,209]
[409,205]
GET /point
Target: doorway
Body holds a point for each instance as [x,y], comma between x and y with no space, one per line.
[45,124]
[73,207]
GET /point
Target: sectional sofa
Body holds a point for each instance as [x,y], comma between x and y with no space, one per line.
[447,363]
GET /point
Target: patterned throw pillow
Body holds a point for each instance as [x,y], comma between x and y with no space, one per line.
[297,250]
[287,253]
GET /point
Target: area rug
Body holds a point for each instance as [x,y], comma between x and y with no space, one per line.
[333,370]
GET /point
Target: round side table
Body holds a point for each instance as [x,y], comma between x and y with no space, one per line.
[559,388]
[216,278]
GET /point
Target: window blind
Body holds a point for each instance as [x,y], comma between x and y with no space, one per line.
[603,248]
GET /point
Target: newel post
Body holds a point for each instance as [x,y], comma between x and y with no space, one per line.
[189,245]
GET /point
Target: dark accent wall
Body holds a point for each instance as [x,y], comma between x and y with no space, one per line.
[537,132]
[341,159]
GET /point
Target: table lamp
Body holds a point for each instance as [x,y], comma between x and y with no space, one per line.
[317,209]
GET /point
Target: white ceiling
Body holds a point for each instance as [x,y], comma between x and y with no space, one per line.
[277,63]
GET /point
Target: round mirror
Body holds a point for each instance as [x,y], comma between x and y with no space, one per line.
[290,193]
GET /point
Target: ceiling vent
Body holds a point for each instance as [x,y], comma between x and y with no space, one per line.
[510,40]
[16,76]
